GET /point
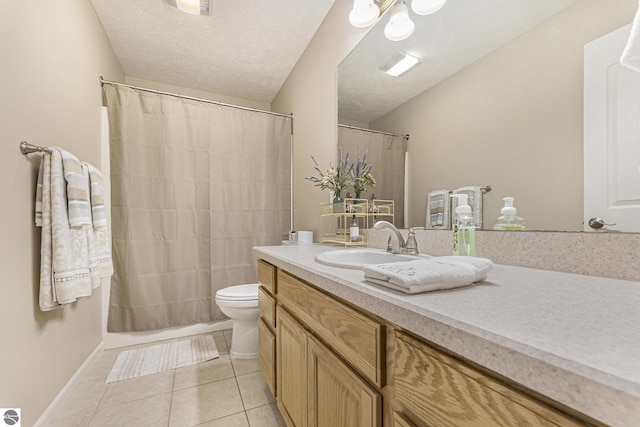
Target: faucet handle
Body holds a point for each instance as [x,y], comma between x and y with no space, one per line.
[411,247]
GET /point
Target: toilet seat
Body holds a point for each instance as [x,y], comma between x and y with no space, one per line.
[239,293]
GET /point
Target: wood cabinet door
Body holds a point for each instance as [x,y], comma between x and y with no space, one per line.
[291,356]
[338,397]
[267,354]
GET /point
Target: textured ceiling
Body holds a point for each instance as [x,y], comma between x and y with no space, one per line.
[459,34]
[245,48]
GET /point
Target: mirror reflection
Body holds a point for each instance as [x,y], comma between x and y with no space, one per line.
[496,100]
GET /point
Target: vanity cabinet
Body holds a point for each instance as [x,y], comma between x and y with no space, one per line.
[433,389]
[337,365]
[267,323]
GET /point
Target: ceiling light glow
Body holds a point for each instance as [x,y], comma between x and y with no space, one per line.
[400,64]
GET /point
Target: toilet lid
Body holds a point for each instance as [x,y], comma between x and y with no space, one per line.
[239,292]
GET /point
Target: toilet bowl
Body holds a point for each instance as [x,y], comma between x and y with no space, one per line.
[240,304]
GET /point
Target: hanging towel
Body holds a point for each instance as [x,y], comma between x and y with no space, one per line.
[47,297]
[71,271]
[79,207]
[438,210]
[631,54]
[101,241]
[96,192]
[429,274]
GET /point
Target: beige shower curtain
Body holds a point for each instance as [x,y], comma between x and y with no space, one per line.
[387,155]
[194,187]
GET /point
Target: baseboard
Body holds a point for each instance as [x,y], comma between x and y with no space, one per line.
[124,339]
[70,386]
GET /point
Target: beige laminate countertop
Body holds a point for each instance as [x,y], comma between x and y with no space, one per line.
[573,338]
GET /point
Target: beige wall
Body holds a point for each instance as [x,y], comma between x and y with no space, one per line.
[310,93]
[52,55]
[512,120]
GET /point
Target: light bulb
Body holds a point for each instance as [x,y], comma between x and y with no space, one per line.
[400,26]
[189,6]
[364,13]
[426,7]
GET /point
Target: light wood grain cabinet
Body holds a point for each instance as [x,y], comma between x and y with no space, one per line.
[292,369]
[267,324]
[337,396]
[335,365]
[434,389]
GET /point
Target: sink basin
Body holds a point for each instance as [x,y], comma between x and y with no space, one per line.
[358,258]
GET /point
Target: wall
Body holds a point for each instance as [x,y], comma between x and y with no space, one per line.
[519,110]
[310,93]
[52,56]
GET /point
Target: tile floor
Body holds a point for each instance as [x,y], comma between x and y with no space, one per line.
[223,392]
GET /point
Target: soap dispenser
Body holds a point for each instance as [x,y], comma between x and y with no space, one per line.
[509,220]
[464,242]
[354,230]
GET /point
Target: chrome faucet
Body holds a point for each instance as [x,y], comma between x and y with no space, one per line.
[396,243]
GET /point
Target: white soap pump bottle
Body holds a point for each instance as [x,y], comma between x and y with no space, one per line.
[464,242]
[509,220]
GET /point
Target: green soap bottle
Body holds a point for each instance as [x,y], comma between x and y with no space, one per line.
[464,238]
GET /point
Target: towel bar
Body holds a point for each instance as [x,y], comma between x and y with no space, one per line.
[26,148]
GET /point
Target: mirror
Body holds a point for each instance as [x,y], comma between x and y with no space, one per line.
[496,101]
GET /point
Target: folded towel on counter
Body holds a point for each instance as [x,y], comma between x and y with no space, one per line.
[77,178]
[631,54]
[430,274]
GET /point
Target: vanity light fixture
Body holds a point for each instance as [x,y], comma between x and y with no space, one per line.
[400,26]
[364,13]
[193,7]
[427,7]
[399,64]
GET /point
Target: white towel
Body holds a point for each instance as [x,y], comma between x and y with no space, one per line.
[429,274]
[96,192]
[631,54]
[47,297]
[77,190]
[100,241]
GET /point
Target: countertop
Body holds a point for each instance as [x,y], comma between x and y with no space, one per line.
[573,338]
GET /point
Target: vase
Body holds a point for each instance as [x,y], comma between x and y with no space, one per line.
[338,206]
[357,199]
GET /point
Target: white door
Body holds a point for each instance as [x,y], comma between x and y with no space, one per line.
[611,135]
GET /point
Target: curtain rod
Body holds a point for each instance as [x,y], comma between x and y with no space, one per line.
[373,131]
[191,98]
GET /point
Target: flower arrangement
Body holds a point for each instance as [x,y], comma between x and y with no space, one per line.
[356,174]
[334,179]
[361,177]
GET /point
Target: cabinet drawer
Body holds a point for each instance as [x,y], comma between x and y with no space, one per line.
[439,390]
[267,275]
[267,306]
[358,339]
[267,354]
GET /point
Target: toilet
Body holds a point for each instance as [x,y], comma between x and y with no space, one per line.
[240,304]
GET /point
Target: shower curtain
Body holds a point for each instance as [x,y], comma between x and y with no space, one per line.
[387,155]
[194,187]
